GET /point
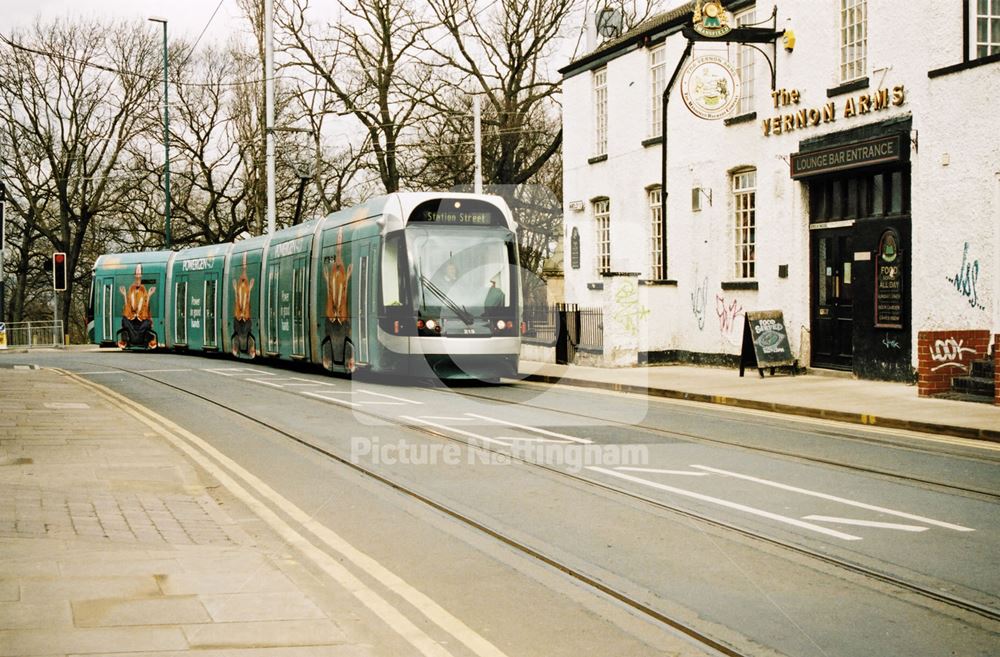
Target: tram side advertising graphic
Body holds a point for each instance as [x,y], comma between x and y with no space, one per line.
[417,284]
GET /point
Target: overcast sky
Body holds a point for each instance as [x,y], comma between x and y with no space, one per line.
[185,18]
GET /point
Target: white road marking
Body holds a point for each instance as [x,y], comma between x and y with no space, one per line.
[834,498]
[309,382]
[445,417]
[487,439]
[66,405]
[527,439]
[686,473]
[204,454]
[399,399]
[265,383]
[868,523]
[159,371]
[544,432]
[731,505]
[238,371]
[318,395]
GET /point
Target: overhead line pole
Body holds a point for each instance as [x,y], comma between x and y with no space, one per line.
[166,135]
[269,108]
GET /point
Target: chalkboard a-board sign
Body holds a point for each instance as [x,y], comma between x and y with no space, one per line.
[765,342]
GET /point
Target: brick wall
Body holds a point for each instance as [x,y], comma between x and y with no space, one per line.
[996,369]
[943,355]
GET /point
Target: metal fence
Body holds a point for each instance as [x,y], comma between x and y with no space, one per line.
[585,330]
[591,329]
[33,334]
[541,325]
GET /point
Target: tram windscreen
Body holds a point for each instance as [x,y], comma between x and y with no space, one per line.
[461,271]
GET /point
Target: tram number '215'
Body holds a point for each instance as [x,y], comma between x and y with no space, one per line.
[469,331]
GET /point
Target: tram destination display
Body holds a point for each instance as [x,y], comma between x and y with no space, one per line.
[456,217]
[765,342]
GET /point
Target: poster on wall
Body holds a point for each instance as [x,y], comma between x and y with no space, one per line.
[889,282]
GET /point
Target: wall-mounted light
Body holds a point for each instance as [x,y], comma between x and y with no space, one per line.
[696,193]
[788,40]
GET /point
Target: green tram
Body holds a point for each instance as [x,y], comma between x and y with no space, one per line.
[418,284]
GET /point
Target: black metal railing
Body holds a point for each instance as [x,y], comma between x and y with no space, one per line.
[584,326]
[591,329]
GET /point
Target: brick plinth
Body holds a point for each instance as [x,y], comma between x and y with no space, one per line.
[996,369]
[943,355]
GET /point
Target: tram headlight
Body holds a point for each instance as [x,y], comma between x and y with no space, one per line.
[501,324]
[431,324]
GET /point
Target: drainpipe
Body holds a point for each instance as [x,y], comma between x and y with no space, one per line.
[663,155]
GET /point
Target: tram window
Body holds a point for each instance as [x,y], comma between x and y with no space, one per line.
[210,294]
[180,312]
[272,309]
[392,271]
[107,309]
[298,315]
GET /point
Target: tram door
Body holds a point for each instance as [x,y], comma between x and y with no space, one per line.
[832,299]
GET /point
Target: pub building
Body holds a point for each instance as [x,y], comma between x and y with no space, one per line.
[857,191]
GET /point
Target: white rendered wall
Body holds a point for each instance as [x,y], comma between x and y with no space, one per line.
[955,191]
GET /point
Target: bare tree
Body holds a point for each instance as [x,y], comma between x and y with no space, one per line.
[73,96]
[206,191]
[368,60]
[502,55]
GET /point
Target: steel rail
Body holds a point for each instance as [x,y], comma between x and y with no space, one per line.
[859,569]
[992,496]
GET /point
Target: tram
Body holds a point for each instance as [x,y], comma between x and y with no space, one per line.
[417,284]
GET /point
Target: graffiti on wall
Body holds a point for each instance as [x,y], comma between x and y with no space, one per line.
[728,313]
[949,353]
[699,301]
[890,343]
[966,278]
[628,310]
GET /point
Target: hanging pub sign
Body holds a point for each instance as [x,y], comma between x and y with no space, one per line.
[574,249]
[710,87]
[889,282]
[710,19]
[765,342]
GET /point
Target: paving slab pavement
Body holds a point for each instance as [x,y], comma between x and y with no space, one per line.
[110,543]
[843,398]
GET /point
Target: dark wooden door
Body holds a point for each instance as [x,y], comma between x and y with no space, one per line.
[832,300]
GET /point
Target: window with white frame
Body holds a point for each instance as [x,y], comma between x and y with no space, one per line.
[601,111]
[657,80]
[602,219]
[853,39]
[745,56]
[656,231]
[985,28]
[745,222]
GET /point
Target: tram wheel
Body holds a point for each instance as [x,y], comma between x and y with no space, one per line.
[327,350]
[349,364]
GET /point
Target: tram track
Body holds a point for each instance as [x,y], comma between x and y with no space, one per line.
[571,571]
[992,496]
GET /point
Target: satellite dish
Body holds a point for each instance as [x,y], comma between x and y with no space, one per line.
[609,22]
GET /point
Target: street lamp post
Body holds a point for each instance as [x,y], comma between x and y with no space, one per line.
[166,132]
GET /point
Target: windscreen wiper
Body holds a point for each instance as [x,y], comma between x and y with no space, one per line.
[459,310]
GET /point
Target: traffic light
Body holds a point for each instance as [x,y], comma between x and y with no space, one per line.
[59,271]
